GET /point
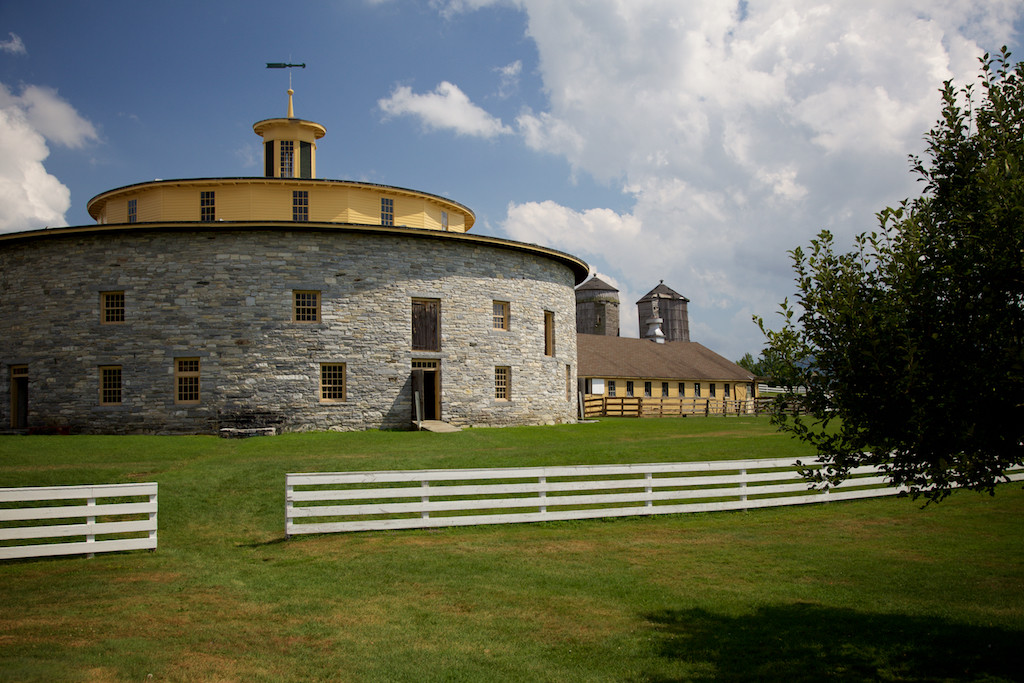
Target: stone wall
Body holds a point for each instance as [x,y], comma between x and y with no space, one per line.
[225,296]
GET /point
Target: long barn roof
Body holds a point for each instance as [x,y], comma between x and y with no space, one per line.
[602,356]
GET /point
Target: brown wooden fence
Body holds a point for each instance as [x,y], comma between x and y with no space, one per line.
[649,406]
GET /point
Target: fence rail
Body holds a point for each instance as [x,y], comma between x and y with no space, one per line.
[409,499]
[88,519]
[657,406]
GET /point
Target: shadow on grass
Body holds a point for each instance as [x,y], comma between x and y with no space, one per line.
[805,642]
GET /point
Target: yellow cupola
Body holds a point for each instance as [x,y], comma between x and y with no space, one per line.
[289,144]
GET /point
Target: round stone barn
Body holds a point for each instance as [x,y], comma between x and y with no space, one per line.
[285,302]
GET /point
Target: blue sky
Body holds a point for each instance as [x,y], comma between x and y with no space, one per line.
[691,142]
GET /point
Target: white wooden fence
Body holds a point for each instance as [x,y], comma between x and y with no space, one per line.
[124,520]
[407,499]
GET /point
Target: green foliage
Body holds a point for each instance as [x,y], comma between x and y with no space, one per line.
[768,366]
[915,339]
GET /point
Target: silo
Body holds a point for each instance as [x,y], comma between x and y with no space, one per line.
[667,304]
[597,308]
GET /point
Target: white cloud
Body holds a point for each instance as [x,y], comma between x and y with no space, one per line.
[30,197]
[15,46]
[446,108]
[737,134]
[509,78]
[551,224]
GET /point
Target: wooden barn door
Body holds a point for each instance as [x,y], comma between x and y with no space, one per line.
[19,397]
[426,384]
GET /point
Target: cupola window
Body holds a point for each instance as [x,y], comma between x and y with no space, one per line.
[287,159]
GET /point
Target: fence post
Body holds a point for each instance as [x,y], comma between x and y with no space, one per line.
[152,520]
[649,479]
[425,498]
[743,485]
[289,506]
[90,521]
[543,493]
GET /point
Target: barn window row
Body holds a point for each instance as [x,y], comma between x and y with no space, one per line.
[300,208]
[665,390]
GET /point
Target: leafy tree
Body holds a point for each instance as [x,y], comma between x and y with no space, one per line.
[911,345]
[748,363]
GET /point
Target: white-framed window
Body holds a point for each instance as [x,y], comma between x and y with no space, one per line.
[133,210]
[387,211]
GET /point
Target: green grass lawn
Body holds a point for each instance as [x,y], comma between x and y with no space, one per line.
[871,590]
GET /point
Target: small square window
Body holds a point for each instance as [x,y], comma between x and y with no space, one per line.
[332,382]
[306,306]
[502,383]
[682,390]
[186,379]
[696,389]
[110,385]
[664,389]
[629,389]
[611,387]
[500,315]
[111,307]
[207,212]
[711,390]
[647,389]
[300,206]
[387,211]
[726,390]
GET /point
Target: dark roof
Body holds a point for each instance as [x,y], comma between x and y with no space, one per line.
[598,284]
[602,356]
[662,291]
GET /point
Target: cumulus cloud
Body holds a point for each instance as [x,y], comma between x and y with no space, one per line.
[30,197]
[446,108]
[14,45]
[737,130]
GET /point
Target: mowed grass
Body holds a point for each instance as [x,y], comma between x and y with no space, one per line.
[871,590]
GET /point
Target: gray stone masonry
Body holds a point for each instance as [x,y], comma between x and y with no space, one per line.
[225,296]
